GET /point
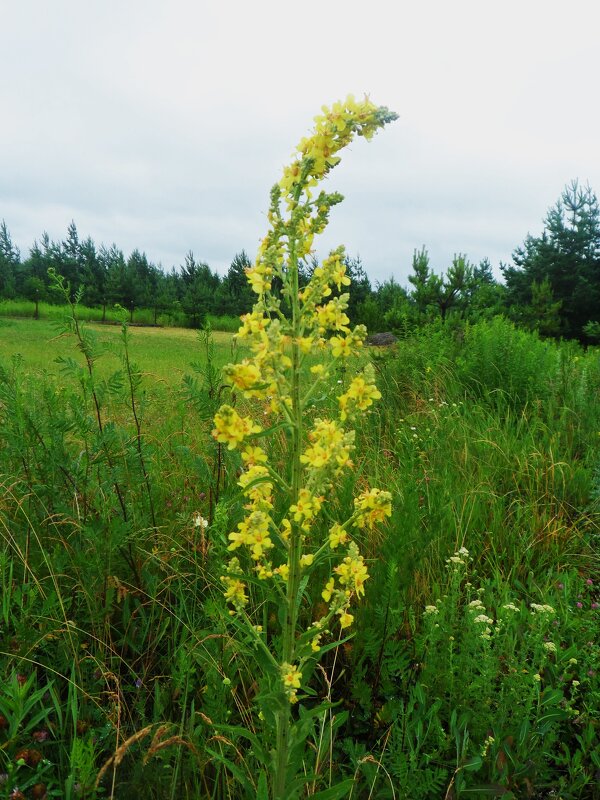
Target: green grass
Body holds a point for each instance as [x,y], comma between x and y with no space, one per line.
[114,614]
[164,354]
[142,316]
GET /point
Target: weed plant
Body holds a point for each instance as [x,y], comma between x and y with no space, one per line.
[472,668]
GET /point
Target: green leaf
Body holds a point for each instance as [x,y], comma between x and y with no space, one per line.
[337,792]
[238,731]
[262,790]
[235,771]
[473,764]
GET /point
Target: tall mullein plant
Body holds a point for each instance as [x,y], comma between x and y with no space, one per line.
[276,542]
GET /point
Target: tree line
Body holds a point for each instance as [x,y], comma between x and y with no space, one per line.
[552,286]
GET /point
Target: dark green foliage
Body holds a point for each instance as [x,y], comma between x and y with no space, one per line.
[10,260]
[565,258]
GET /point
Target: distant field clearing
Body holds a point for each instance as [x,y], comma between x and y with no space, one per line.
[165,353]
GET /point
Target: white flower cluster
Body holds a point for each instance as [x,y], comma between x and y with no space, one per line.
[460,557]
[476,604]
[536,608]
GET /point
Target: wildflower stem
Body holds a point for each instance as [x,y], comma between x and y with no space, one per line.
[293,583]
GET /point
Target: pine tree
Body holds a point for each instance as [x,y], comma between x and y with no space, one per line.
[10,261]
[567,256]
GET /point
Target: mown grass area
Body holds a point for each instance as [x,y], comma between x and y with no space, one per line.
[164,354]
[473,671]
[112,315]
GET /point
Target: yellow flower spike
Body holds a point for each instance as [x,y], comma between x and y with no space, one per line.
[352,572]
[285,327]
[235,592]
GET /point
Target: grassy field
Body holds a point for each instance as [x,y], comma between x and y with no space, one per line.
[473,669]
[164,354]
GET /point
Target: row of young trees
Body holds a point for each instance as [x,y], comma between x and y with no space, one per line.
[553,285]
[106,277]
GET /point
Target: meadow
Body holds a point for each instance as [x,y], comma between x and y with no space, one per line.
[167,353]
[473,667]
[320,570]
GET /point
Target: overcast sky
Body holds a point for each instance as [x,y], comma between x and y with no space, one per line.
[162,124]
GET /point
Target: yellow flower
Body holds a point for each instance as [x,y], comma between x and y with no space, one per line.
[305,344]
[346,619]
[231,429]
[254,533]
[372,506]
[259,278]
[292,678]
[264,571]
[244,375]
[307,506]
[339,275]
[327,592]
[353,571]
[235,591]
[307,560]
[337,536]
[285,529]
[253,323]
[253,455]
[341,347]
[256,487]
[359,396]
[362,392]
[332,315]
[327,443]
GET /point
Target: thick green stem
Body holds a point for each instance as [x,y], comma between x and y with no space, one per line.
[295,550]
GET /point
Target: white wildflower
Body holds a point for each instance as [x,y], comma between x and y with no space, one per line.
[476,604]
[536,608]
[482,619]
